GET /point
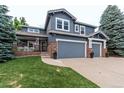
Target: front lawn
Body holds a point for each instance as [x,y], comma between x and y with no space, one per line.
[31,72]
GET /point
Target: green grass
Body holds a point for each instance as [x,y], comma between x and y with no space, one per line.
[31,72]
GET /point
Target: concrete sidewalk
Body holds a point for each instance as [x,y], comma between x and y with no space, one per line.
[53,62]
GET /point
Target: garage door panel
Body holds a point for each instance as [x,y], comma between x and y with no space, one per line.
[71,49]
[96,50]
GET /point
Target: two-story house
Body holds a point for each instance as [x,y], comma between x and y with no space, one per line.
[64,35]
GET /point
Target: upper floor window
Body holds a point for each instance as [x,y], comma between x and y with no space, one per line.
[33,30]
[59,24]
[62,24]
[76,28]
[82,30]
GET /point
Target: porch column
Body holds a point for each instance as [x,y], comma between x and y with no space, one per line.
[90,43]
[14,46]
[89,48]
[104,44]
[104,49]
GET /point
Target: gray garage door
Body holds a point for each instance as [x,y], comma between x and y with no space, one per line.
[71,49]
[96,50]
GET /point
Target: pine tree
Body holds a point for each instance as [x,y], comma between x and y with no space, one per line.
[7,35]
[112,24]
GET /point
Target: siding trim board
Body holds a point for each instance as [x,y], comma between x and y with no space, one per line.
[91,39]
[76,41]
[68,34]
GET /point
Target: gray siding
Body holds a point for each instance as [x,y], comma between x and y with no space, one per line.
[52,37]
[51,24]
[89,30]
[71,49]
[49,27]
[61,15]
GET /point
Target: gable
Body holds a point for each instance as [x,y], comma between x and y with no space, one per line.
[61,15]
[62,10]
[99,35]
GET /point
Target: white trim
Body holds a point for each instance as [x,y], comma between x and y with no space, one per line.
[104,46]
[97,39]
[99,32]
[67,40]
[76,25]
[90,42]
[84,30]
[100,47]
[64,10]
[56,23]
[63,20]
[69,34]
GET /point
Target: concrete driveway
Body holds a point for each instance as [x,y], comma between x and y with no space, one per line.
[105,72]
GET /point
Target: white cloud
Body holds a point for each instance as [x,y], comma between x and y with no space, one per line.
[61,2]
[88,11]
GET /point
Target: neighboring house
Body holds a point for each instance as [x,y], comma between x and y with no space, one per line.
[64,35]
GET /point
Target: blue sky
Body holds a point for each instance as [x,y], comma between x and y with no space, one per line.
[35,12]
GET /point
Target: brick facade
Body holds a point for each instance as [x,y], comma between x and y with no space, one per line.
[52,47]
[28,53]
[89,50]
[23,53]
[104,51]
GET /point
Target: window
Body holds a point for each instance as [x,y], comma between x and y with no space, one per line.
[36,30]
[59,24]
[66,25]
[82,30]
[33,30]
[76,28]
[30,44]
[30,30]
[62,24]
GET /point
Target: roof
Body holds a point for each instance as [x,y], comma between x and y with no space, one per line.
[62,10]
[32,27]
[69,34]
[101,32]
[30,34]
[85,24]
